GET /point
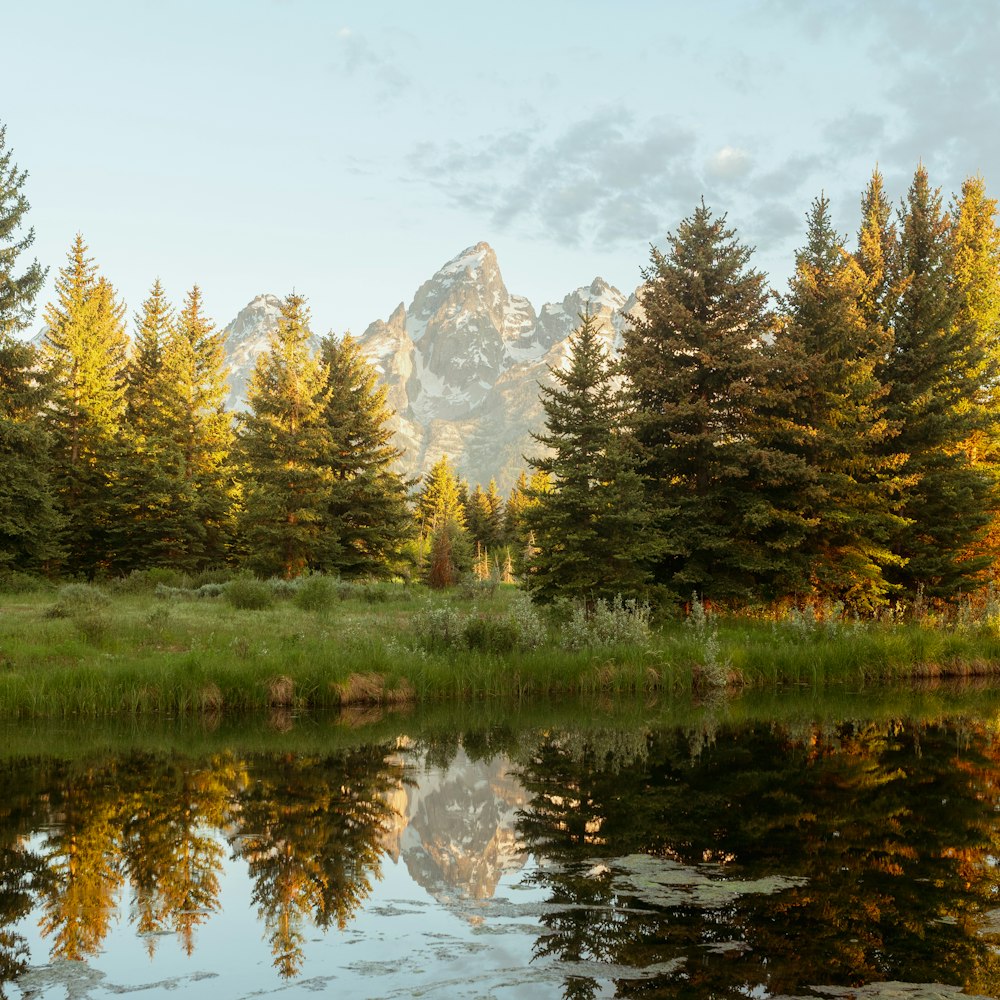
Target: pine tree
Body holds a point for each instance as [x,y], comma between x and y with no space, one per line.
[931,374]
[591,528]
[283,447]
[368,507]
[17,292]
[975,277]
[850,494]
[29,523]
[86,348]
[699,380]
[151,473]
[440,497]
[195,358]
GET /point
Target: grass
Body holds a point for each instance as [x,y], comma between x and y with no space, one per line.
[150,648]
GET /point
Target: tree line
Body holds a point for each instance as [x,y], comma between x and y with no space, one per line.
[836,443]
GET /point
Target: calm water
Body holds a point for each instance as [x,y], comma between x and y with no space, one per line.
[713,857]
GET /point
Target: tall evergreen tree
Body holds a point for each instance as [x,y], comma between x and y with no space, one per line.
[195,360]
[368,508]
[86,348]
[17,291]
[592,529]
[931,374]
[975,277]
[833,339]
[283,446]
[29,525]
[441,520]
[699,380]
[440,497]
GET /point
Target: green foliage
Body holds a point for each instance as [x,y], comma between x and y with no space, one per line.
[702,388]
[17,291]
[591,528]
[246,593]
[367,510]
[287,481]
[316,593]
[616,622]
[78,598]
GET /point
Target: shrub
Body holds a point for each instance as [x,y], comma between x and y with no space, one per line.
[14,582]
[211,590]
[315,593]
[491,634]
[78,599]
[141,581]
[440,628]
[284,589]
[607,623]
[249,594]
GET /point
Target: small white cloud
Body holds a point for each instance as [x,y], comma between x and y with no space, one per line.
[729,162]
[345,32]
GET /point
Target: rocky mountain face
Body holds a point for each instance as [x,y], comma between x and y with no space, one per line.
[462,362]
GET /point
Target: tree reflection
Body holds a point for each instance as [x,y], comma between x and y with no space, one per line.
[890,828]
[311,830]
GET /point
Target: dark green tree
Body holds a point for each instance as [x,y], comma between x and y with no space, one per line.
[591,529]
[703,389]
[368,510]
[283,448]
[17,291]
[850,495]
[934,373]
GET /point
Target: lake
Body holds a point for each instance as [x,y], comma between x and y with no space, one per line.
[792,847]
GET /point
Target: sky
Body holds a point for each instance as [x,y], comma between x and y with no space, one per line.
[346,150]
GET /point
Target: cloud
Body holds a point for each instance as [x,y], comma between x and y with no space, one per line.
[358,57]
[729,163]
[345,32]
[604,178]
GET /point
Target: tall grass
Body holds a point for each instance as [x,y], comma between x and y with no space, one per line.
[180,647]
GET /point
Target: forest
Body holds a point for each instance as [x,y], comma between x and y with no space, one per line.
[834,444]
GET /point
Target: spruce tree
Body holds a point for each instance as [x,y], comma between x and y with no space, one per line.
[440,497]
[975,277]
[86,349]
[283,445]
[591,529]
[152,472]
[195,359]
[700,381]
[441,520]
[17,291]
[368,507]
[29,523]
[849,496]
[932,374]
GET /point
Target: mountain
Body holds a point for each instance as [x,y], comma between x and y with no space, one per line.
[462,363]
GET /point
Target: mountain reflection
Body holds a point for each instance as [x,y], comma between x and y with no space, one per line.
[691,855]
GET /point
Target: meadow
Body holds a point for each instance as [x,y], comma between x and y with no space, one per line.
[160,644]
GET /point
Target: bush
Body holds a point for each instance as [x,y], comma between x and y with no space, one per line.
[249,594]
[282,589]
[78,599]
[607,623]
[491,634]
[315,593]
[141,581]
[440,628]
[14,582]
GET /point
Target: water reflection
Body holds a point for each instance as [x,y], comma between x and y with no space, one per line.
[730,861]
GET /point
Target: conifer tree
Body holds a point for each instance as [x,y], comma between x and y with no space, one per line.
[151,473]
[29,523]
[368,508]
[932,374]
[440,497]
[591,528]
[699,381]
[975,277]
[17,291]
[441,520]
[283,446]
[86,349]
[834,342]
[195,360]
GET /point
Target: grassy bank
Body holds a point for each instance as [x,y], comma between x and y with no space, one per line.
[143,647]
